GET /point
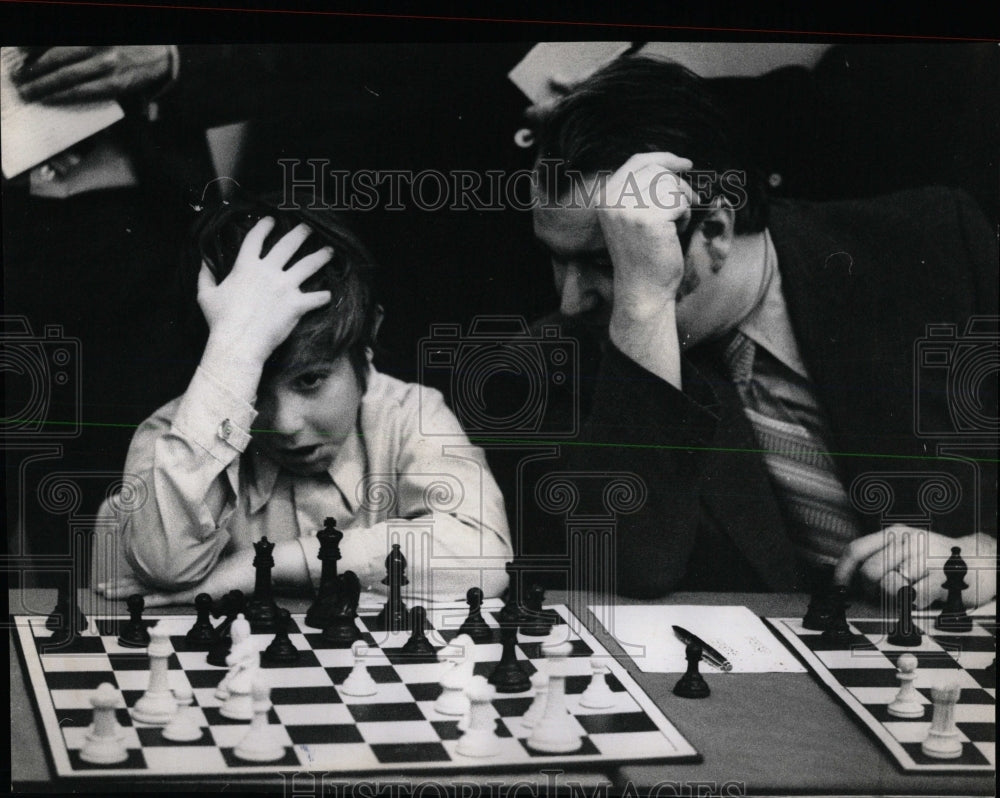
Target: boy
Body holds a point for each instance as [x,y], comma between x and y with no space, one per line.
[287,296]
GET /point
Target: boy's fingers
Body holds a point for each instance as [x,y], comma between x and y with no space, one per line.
[302,270]
[254,240]
[315,299]
[287,246]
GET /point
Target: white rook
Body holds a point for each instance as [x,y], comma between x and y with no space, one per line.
[943,738]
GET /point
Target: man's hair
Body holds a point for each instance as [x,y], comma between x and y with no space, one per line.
[348,323]
[641,104]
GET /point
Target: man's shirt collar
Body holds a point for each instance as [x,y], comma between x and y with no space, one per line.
[768,323]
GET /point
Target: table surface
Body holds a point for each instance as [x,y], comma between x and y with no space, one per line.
[771,733]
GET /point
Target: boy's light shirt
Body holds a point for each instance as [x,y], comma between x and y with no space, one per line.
[411,476]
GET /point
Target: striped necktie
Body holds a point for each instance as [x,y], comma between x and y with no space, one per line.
[789,427]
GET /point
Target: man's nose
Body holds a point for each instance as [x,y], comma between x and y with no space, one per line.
[579,292]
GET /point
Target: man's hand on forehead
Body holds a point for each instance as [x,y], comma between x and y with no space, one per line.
[648,205]
[650,181]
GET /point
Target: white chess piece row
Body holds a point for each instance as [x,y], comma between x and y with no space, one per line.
[943,738]
[553,728]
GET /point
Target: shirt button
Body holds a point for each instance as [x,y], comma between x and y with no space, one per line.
[775,180]
[225,429]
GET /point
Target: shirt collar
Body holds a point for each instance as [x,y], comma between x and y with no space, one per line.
[768,324]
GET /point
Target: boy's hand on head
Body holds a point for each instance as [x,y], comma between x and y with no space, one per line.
[255,308]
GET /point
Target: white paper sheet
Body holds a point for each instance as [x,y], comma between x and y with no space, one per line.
[646,635]
[31,133]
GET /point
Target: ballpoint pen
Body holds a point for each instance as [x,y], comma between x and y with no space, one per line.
[709,654]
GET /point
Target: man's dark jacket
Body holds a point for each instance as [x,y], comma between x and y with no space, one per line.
[862,281]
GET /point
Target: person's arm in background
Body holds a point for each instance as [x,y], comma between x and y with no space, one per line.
[884,561]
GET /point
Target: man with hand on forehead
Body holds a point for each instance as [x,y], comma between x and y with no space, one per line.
[753,360]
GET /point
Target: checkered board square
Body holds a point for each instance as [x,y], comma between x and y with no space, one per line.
[862,674]
[396,730]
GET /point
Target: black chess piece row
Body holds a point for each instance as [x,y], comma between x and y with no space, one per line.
[827,609]
[526,615]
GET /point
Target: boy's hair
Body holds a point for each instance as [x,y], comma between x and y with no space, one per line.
[642,104]
[348,323]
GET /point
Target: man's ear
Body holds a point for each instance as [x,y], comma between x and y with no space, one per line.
[717,229]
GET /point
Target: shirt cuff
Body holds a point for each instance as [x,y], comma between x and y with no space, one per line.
[213,417]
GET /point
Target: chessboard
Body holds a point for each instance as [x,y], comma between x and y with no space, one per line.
[397,730]
[861,673]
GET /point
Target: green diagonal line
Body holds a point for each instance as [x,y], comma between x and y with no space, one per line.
[593,444]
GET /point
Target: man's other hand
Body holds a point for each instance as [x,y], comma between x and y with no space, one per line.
[901,555]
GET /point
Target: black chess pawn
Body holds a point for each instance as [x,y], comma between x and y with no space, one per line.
[261,610]
[509,675]
[134,634]
[905,632]
[953,617]
[418,647]
[230,605]
[820,610]
[281,650]
[474,626]
[394,616]
[341,627]
[692,684]
[329,553]
[537,622]
[838,630]
[201,636]
[66,618]
[512,613]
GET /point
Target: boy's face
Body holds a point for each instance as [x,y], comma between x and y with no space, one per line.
[306,414]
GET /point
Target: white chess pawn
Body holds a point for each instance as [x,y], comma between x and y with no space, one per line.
[556,731]
[598,694]
[183,728]
[540,683]
[104,745]
[244,665]
[157,705]
[260,743]
[359,682]
[943,740]
[481,738]
[906,704]
[453,700]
